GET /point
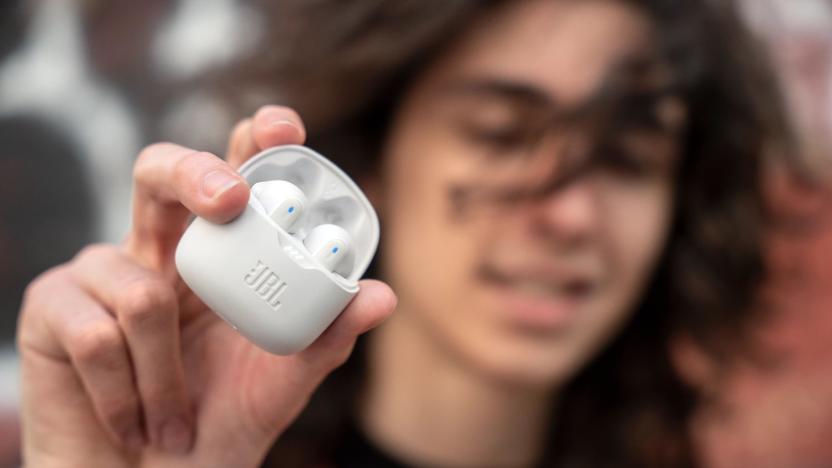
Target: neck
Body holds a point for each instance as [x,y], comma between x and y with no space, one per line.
[428,408]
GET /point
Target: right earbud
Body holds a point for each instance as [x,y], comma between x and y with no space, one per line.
[283,201]
[329,244]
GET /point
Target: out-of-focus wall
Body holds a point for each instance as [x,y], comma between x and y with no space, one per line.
[799,34]
[102,80]
[84,85]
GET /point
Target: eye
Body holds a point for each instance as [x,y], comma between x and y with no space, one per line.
[622,163]
[630,163]
[498,137]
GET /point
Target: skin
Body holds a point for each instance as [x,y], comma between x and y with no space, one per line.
[113,344]
[458,377]
[123,366]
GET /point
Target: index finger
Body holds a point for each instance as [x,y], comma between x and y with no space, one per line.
[170,182]
[270,126]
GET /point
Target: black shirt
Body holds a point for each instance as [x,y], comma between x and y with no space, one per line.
[356,451]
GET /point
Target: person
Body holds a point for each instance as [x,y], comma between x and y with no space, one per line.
[564,188]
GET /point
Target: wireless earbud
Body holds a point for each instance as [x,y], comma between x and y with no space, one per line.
[285,204]
[283,270]
[329,244]
[283,201]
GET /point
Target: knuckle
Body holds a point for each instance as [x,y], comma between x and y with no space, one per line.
[99,343]
[343,356]
[36,288]
[42,286]
[147,153]
[120,411]
[93,252]
[163,395]
[338,357]
[241,127]
[145,300]
[184,168]
[37,303]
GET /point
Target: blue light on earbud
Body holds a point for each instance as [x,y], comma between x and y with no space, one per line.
[334,249]
[291,209]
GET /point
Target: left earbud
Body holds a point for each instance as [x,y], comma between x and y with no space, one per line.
[283,201]
[329,244]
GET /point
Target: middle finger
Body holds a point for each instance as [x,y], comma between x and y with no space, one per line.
[146,310]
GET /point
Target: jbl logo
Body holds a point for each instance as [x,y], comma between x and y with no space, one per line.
[266,284]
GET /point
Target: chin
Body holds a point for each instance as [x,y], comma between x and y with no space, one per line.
[526,363]
[540,354]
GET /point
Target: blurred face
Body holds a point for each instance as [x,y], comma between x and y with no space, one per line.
[524,290]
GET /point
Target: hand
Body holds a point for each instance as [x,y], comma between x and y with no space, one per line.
[123,366]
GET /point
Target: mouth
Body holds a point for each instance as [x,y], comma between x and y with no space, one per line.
[538,297]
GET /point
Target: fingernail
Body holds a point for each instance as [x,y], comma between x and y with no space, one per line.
[218,182]
[176,436]
[284,123]
[135,438]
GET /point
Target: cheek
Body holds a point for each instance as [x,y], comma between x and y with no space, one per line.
[428,255]
[637,224]
[632,238]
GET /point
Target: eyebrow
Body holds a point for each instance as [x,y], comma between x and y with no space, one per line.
[502,88]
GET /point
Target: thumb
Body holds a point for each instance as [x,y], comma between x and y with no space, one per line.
[303,372]
[371,306]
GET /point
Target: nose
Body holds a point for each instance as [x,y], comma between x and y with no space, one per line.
[569,216]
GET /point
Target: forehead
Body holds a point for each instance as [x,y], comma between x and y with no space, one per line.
[560,47]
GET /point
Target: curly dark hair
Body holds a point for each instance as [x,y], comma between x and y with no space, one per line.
[345,67]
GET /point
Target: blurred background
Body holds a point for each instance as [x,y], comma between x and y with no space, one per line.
[84,84]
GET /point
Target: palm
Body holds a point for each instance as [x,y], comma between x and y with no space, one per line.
[227,378]
[242,397]
[236,387]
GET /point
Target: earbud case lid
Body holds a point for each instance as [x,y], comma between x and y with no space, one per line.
[261,279]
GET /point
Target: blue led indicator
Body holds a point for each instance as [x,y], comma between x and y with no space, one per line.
[334,249]
[291,209]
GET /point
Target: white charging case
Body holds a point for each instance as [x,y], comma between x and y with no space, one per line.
[261,279]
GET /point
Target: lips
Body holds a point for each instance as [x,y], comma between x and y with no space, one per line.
[537,295]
